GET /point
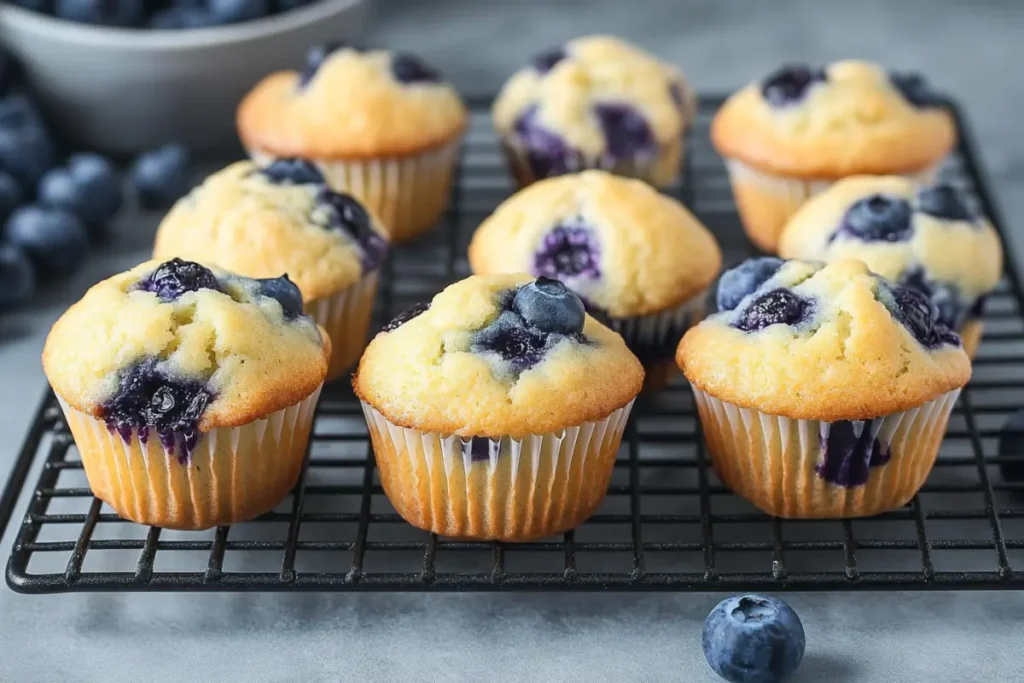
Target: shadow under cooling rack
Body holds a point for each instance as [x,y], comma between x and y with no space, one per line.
[667,523]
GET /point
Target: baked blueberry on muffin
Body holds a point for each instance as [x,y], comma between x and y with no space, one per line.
[496,411]
[190,391]
[823,390]
[790,135]
[931,238]
[282,218]
[639,260]
[595,102]
[382,126]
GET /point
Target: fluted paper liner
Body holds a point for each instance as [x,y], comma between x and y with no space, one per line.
[346,318]
[408,193]
[233,474]
[766,201]
[772,461]
[525,489]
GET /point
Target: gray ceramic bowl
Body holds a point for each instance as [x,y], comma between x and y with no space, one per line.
[122,91]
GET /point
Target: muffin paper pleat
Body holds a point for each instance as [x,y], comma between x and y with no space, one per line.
[774,461]
[233,473]
[505,489]
[346,318]
[766,201]
[409,193]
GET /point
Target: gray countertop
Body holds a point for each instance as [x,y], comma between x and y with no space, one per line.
[971,49]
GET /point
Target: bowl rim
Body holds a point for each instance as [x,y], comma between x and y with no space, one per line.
[152,40]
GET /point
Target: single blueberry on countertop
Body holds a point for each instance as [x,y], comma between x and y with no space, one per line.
[744,279]
[944,201]
[569,250]
[408,68]
[1011,444]
[753,639]
[54,239]
[26,148]
[790,83]
[173,278]
[121,13]
[285,292]
[916,89]
[89,187]
[546,61]
[779,306]
[160,176]
[234,11]
[293,172]
[17,277]
[550,306]
[513,340]
[878,218]
[11,195]
[350,216]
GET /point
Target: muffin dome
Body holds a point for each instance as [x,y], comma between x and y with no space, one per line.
[930,238]
[849,118]
[619,244]
[272,220]
[497,355]
[822,342]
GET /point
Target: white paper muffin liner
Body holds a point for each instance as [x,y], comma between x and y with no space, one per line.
[525,489]
[233,473]
[773,461]
[408,193]
[346,318]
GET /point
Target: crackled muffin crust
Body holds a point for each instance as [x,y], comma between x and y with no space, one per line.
[822,342]
[621,245]
[178,347]
[351,104]
[851,117]
[479,361]
[281,218]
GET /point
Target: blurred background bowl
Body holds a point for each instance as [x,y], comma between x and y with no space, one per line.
[122,91]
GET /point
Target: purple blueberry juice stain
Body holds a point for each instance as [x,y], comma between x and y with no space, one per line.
[626,132]
[548,154]
[850,450]
[405,316]
[176,277]
[349,216]
[568,251]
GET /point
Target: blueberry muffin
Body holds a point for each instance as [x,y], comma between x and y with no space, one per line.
[931,238]
[823,390]
[496,410]
[641,262]
[382,126]
[262,222]
[189,391]
[595,102]
[790,135]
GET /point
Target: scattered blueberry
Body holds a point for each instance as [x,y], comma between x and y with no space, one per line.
[1011,444]
[850,451]
[54,239]
[878,218]
[352,218]
[744,279]
[569,250]
[753,639]
[17,277]
[915,311]
[626,132]
[234,11]
[546,61]
[549,306]
[916,90]
[285,292]
[515,342]
[779,306]
[408,68]
[178,17]
[11,195]
[121,13]
[293,172]
[26,149]
[315,58]
[161,176]
[944,201]
[789,84]
[548,154]
[173,278]
[405,316]
[89,187]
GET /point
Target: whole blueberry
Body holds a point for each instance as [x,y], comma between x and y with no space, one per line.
[353,220]
[234,11]
[1011,445]
[753,639]
[916,311]
[315,57]
[285,292]
[173,278]
[548,305]
[11,195]
[626,132]
[26,148]
[54,239]
[17,277]
[408,68]
[405,316]
[790,83]
[546,61]
[122,13]
[89,187]
[161,176]
[916,89]
[179,17]
[744,279]
[293,172]
[777,307]
[878,218]
[944,201]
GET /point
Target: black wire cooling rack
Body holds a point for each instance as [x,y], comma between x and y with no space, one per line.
[667,524]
